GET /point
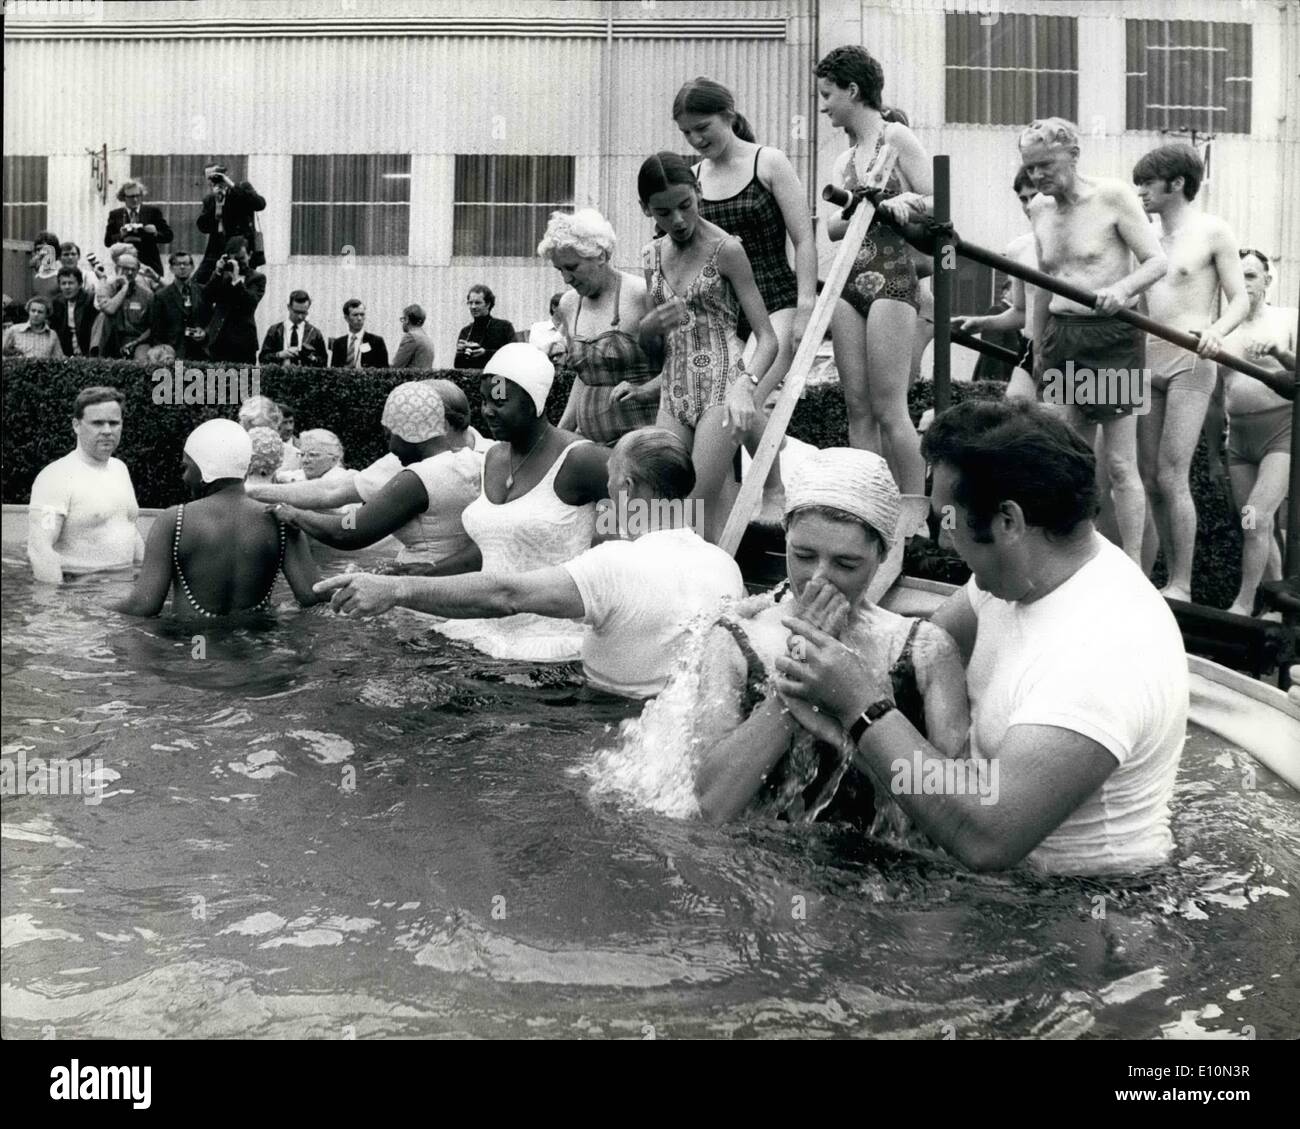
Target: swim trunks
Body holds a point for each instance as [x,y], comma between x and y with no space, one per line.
[1097,344]
[1252,435]
[1170,365]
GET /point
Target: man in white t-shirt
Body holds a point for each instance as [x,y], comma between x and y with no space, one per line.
[637,596]
[83,511]
[1074,663]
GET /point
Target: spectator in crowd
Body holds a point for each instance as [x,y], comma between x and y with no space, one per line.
[356,348]
[70,256]
[287,428]
[33,338]
[140,224]
[479,340]
[233,292]
[294,341]
[268,456]
[548,336]
[322,456]
[179,313]
[126,311]
[83,509]
[262,411]
[45,265]
[228,210]
[415,350]
[73,316]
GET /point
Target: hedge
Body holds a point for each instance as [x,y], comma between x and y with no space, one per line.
[38,397]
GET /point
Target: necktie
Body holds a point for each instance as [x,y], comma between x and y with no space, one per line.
[72,329]
[354,353]
[293,338]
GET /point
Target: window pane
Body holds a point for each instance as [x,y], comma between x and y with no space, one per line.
[1188,74]
[25,196]
[503,202]
[356,200]
[1010,71]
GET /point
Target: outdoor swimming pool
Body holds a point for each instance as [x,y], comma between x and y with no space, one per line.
[340,829]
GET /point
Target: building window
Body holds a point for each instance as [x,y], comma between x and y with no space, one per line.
[1184,74]
[176,185]
[501,204]
[26,197]
[360,201]
[1010,70]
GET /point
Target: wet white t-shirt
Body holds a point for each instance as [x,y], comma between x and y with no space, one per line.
[639,597]
[99,510]
[1101,656]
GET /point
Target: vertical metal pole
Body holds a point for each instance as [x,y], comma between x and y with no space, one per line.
[1292,563]
[945,264]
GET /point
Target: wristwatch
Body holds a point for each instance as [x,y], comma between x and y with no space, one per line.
[872,714]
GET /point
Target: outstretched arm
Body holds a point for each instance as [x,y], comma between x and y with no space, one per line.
[155,580]
[545,591]
[300,568]
[314,494]
[401,499]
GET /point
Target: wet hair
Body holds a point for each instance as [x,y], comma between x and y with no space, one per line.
[1006,450]
[1052,132]
[486,291]
[1263,258]
[46,237]
[704,96]
[235,244]
[65,247]
[658,460]
[121,192]
[414,314]
[1022,180]
[171,259]
[1170,161]
[588,232]
[299,296]
[830,513]
[70,272]
[663,171]
[847,65]
[268,450]
[351,304]
[96,394]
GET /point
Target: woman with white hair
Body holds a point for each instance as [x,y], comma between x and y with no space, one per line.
[615,389]
[262,411]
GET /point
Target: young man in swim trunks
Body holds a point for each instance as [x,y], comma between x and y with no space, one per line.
[1259,426]
[1087,231]
[1202,254]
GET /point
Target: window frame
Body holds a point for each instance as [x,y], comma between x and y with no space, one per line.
[19,242]
[485,257]
[1138,31]
[402,257]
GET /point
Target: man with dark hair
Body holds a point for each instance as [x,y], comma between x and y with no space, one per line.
[233,292]
[636,598]
[82,514]
[140,224]
[294,341]
[415,350]
[228,210]
[70,256]
[33,338]
[479,341]
[1202,254]
[73,316]
[1074,664]
[179,312]
[357,348]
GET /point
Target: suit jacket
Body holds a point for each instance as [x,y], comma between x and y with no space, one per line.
[232,332]
[311,339]
[489,332]
[377,357]
[415,350]
[143,242]
[170,320]
[85,320]
[236,219]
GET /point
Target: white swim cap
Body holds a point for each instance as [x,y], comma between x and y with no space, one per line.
[526,366]
[844,478]
[220,448]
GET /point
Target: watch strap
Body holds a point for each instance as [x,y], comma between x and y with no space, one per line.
[872,714]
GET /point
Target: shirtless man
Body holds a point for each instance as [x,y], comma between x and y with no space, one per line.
[1023,296]
[1259,426]
[83,510]
[219,554]
[1087,231]
[1202,254]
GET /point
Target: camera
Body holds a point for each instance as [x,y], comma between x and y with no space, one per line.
[226,265]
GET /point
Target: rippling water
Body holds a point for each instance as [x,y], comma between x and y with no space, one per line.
[339,829]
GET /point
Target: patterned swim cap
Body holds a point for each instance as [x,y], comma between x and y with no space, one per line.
[414,411]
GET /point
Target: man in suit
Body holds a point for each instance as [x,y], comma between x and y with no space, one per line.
[74,313]
[294,341]
[415,350]
[179,312]
[356,348]
[140,224]
[233,292]
[227,211]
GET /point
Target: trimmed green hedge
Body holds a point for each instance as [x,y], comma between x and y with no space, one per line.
[38,397]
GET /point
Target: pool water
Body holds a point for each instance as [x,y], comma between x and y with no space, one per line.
[347,829]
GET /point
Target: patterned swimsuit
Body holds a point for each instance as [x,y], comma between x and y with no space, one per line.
[883,268]
[702,358]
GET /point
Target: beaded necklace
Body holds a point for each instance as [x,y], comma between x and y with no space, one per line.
[265,602]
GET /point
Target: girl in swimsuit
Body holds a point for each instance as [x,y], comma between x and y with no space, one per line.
[698,281]
[874,321]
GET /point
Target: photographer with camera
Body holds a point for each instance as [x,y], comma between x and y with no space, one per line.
[234,292]
[139,224]
[180,313]
[228,211]
[126,311]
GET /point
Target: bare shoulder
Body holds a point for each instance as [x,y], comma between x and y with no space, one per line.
[772,162]
[732,254]
[933,644]
[901,138]
[1110,190]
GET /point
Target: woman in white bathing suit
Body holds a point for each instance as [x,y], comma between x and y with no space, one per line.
[537,505]
[421,505]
